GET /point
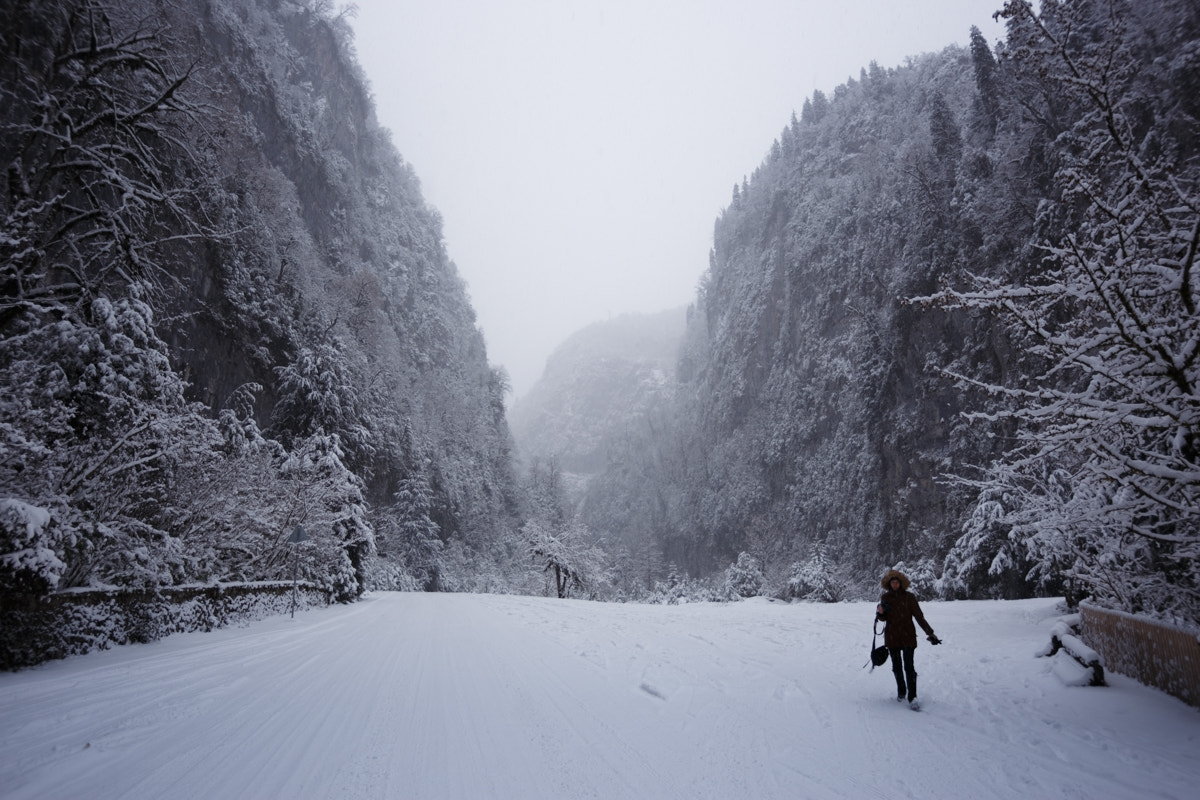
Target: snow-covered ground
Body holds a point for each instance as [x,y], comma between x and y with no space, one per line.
[469,696]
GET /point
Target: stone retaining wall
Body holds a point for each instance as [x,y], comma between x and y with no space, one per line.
[1154,653]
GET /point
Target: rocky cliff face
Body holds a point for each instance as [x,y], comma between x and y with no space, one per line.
[806,412]
[331,242]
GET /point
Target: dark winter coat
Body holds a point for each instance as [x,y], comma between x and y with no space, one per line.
[900,608]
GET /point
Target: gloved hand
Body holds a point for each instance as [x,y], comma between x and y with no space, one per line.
[933,639]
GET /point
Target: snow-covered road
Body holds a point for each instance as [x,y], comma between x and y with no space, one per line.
[469,696]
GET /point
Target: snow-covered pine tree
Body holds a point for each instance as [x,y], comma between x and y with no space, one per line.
[413,533]
[744,577]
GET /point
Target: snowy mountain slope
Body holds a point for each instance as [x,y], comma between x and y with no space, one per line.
[277,265]
[478,696]
[599,384]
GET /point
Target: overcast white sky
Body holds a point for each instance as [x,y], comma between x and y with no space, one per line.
[579,151]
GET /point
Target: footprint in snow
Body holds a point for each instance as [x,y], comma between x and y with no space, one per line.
[650,690]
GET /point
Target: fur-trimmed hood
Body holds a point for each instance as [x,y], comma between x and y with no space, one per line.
[895,573]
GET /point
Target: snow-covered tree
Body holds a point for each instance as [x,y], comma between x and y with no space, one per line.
[565,554]
[94,421]
[29,547]
[744,577]
[410,538]
[818,578]
[557,540]
[326,498]
[1103,485]
[90,140]
[317,394]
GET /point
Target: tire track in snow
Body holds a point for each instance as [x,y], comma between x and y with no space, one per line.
[440,696]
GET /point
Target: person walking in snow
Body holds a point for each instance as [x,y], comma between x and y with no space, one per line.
[898,608]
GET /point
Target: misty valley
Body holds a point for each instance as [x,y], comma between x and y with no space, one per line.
[948,325]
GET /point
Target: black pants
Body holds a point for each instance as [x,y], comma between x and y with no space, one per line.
[906,674]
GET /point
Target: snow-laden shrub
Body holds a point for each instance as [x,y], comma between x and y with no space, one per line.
[817,579]
[74,622]
[340,580]
[465,569]
[744,578]
[678,590]
[28,561]
[385,576]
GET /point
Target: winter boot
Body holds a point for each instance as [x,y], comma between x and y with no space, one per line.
[901,688]
[912,689]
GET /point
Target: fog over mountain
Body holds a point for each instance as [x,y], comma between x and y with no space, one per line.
[598,386]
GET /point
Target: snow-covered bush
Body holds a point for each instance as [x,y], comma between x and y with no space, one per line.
[676,590]
[385,576]
[744,578]
[818,579]
[29,562]
[76,622]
